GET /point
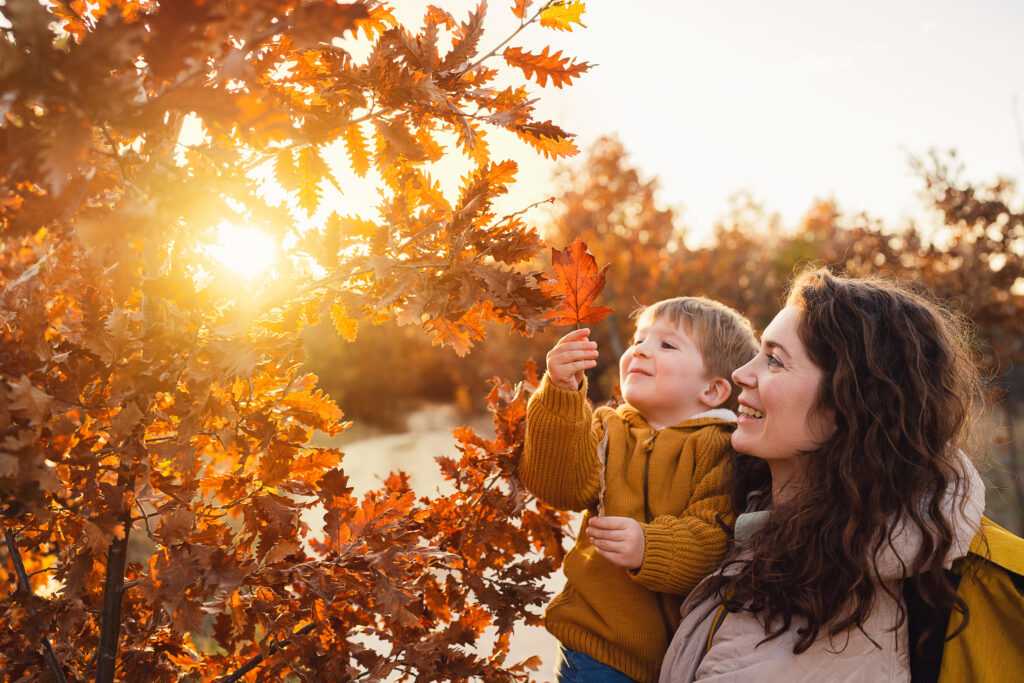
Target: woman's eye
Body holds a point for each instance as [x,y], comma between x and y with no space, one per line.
[773,361]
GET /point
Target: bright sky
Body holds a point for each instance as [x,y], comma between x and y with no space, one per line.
[791,99]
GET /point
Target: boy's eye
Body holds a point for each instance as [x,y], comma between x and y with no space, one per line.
[638,340]
[667,345]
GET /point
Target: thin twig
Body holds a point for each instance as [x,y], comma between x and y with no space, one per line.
[145,518]
[23,584]
[258,659]
[507,40]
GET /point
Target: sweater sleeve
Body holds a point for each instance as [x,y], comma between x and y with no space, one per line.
[680,551]
[559,463]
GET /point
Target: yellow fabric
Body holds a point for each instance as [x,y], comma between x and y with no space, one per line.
[999,546]
[991,648]
[622,618]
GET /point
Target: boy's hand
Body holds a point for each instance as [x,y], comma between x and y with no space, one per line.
[568,358]
[620,540]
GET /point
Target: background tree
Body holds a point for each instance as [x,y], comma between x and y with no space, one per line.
[969,256]
[146,391]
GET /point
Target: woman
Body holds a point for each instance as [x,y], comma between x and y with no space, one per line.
[853,412]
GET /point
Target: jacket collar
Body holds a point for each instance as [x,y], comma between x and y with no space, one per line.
[636,419]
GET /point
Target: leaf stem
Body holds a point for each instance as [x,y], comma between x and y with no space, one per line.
[507,40]
[258,659]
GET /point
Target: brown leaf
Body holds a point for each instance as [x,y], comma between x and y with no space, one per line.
[176,526]
[96,538]
[280,551]
[542,66]
[467,39]
[29,401]
[126,420]
[459,334]
[547,138]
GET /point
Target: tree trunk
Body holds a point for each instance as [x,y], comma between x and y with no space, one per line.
[113,590]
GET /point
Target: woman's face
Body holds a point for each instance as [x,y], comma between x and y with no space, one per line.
[779,390]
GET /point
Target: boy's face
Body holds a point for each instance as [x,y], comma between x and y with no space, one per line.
[662,373]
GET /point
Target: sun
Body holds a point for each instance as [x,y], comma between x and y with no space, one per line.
[245,251]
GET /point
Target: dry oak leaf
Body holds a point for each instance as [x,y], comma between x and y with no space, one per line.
[358,153]
[543,65]
[346,327]
[578,281]
[29,401]
[548,139]
[519,8]
[562,15]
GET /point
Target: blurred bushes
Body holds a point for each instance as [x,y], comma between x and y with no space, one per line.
[970,256]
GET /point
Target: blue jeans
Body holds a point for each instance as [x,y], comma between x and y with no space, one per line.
[576,667]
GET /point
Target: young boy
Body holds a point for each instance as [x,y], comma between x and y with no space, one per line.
[650,474]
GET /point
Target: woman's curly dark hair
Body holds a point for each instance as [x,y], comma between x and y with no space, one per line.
[901,380]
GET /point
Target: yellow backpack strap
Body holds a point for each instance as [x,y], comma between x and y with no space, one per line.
[999,546]
[716,623]
[991,647]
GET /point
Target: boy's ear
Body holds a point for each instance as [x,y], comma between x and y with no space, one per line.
[716,393]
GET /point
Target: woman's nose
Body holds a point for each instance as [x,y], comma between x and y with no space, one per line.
[744,376]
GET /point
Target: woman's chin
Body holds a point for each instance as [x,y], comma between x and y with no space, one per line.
[746,436]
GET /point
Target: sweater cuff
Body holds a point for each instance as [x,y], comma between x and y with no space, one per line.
[662,555]
[564,403]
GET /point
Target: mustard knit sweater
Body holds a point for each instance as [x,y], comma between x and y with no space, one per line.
[671,480]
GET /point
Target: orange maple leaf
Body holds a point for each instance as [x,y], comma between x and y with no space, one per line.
[577,281]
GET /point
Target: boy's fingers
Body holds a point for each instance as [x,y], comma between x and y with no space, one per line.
[610,522]
[571,355]
[575,335]
[605,534]
[609,546]
[577,346]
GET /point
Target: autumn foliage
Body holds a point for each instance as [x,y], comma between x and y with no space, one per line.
[577,283]
[149,395]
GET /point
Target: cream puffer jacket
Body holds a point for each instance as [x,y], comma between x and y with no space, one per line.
[734,654]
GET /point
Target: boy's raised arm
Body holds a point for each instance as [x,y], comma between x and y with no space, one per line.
[680,551]
[559,463]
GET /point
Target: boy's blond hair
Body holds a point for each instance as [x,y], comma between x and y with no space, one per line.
[725,338]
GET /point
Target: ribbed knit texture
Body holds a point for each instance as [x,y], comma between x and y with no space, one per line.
[627,618]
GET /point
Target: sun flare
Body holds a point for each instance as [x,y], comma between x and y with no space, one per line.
[245,251]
